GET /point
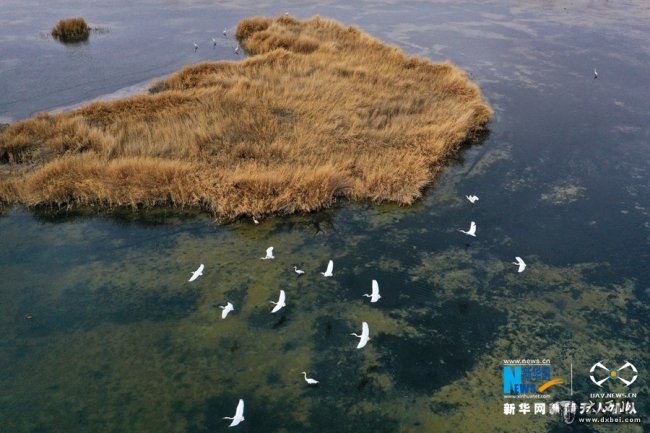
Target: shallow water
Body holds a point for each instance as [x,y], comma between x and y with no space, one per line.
[119,341]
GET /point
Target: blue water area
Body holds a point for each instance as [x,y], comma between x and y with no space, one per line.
[101,331]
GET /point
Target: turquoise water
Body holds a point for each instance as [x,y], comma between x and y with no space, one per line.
[100,330]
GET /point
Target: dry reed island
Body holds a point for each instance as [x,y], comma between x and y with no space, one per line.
[317,112]
[71,30]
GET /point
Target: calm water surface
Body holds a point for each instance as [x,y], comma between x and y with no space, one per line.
[119,341]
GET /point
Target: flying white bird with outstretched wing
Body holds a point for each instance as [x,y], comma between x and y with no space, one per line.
[364,337]
[280,303]
[239,414]
[375,296]
[196,274]
[472,198]
[471,231]
[519,262]
[328,271]
[269,254]
[226,309]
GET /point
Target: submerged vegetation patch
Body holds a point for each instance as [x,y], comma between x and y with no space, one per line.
[442,353]
[318,112]
[71,30]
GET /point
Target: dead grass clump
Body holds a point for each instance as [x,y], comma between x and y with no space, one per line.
[79,180]
[250,26]
[46,136]
[319,112]
[71,30]
[262,36]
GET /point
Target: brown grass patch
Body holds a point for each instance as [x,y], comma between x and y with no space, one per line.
[71,30]
[318,112]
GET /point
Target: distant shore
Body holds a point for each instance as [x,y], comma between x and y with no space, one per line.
[318,112]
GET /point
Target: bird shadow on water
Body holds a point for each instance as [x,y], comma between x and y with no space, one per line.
[349,381]
[121,215]
[475,139]
[315,223]
[80,308]
[342,420]
[261,318]
[260,415]
[340,360]
[451,339]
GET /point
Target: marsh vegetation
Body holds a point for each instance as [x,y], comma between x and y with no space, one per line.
[71,30]
[317,112]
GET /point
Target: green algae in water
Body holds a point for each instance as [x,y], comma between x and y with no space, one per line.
[125,323]
[119,341]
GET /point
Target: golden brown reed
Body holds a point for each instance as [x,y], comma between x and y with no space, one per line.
[318,112]
[71,30]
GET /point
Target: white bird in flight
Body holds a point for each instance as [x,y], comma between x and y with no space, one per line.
[269,254]
[472,198]
[595,73]
[364,337]
[298,271]
[309,380]
[375,296]
[227,309]
[196,47]
[196,274]
[328,271]
[280,303]
[519,262]
[239,414]
[471,231]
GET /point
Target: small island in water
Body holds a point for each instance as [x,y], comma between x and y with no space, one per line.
[71,30]
[318,112]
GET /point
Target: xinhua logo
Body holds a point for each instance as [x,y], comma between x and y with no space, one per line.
[527,379]
[626,373]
